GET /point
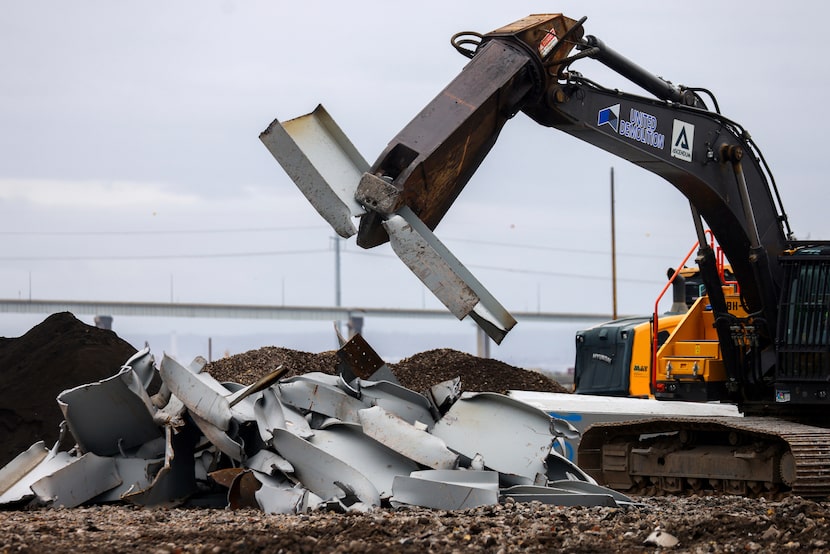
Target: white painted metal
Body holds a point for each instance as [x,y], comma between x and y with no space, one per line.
[458,494]
[13,472]
[203,395]
[110,415]
[401,436]
[268,462]
[319,471]
[322,162]
[80,480]
[582,411]
[441,272]
[275,496]
[405,403]
[370,458]
[315,392]
[519,436]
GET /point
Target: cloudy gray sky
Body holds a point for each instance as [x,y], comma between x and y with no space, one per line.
[131,167]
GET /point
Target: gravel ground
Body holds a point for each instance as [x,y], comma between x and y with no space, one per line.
[701,524]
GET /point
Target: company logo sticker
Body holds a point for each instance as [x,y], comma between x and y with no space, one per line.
[640,126]
[609,116]
[682,140]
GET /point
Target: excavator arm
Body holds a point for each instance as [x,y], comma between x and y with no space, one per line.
[427,165]
[527,67]
[777,356]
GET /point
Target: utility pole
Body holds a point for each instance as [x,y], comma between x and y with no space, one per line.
[613,252]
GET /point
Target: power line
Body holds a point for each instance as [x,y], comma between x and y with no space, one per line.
[274,229]
[521,271]
[164,232]
[129,257]
[308,228]
[555,248]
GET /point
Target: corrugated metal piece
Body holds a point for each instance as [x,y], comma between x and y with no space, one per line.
[405,438]
[111,415]
[272,414]
[321,472]
[456,490]
[203,397]
[78,481]
[441,272]
[370,458]
[404,403]
[323,164]
[269,463]
[276,496]
[519,436]
[28,467]
[320,393]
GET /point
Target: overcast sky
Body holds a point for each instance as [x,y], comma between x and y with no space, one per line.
[131,167]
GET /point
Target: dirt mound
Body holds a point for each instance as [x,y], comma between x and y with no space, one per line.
[418,372]
[58,354]
[247,367]
[421,371]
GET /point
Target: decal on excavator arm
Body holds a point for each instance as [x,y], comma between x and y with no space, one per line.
[640,126]
[609,116]
[682,139]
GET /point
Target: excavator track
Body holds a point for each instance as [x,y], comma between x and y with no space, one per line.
[736,455]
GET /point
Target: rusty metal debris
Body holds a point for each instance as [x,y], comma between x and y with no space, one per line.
[287,445]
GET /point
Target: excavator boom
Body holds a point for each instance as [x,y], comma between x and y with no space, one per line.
[427,165]
[775,349]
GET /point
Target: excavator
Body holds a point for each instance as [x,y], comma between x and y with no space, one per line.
[670,356]
[775,351]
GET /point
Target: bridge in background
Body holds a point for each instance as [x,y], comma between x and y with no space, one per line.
[104,310]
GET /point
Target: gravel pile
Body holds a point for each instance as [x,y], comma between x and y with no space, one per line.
[418,372]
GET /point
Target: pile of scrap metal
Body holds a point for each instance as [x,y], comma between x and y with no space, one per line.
[288,445]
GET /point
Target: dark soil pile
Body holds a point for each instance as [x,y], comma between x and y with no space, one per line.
[418,372]
[58,354]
